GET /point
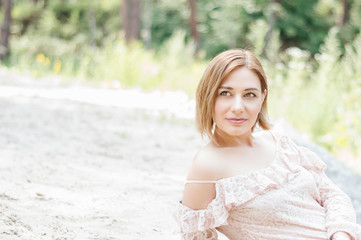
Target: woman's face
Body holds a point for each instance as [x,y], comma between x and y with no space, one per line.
[238,102]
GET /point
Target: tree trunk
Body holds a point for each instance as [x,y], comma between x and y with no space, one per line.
[5,30]
[345,13]
[131,19]
[193,25]
[92,23]
[271,20]
[147,23]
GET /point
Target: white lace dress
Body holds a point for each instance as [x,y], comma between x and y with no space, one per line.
[292,198]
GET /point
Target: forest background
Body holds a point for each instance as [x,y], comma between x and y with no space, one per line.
[311,51]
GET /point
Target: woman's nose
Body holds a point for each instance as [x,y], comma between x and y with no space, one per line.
[238,104]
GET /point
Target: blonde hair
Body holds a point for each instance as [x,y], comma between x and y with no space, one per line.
[218,70]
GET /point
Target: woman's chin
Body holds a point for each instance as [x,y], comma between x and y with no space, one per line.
[235,133]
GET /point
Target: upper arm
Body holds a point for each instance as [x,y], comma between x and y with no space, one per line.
[199,195]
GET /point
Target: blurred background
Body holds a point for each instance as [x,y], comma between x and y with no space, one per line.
[311,51]
[99,165]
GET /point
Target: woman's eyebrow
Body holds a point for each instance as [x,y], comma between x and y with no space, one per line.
[250,89]
[247,89]
[225,87]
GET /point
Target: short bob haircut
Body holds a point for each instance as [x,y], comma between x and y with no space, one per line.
[216,72]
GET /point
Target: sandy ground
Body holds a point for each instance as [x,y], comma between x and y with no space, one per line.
[73,169]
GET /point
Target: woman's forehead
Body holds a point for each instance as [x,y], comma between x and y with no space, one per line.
[242,78]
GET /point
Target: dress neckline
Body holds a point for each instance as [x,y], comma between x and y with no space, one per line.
[257,171]
[274,177]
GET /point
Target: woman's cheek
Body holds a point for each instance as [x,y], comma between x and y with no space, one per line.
[220,107]
[253,108]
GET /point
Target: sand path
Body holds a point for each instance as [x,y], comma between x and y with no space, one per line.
[72,169]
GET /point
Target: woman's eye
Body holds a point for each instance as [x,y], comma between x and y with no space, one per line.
[225,93]
[250,95]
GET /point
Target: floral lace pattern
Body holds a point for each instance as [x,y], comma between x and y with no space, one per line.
[292,198]
[340,215]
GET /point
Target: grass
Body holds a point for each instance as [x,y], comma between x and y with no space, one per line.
[320,95]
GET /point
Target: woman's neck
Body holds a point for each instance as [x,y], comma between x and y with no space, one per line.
[222,139]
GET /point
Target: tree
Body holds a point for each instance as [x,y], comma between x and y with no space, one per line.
[193,25]
[5,30]
[131,19]
[271,20]
[345,13]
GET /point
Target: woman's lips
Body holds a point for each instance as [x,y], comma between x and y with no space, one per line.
[236,120]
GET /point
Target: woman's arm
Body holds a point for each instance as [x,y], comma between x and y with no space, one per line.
[201,211]
[340,214]
[199,195]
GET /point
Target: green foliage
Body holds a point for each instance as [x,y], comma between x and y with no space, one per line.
[321,96]
[257,31]
[67,20]
[348,123]
[167,17]
[300,25]
[222,24]
[225,24]
[177,55]
[314,68]
[113,64]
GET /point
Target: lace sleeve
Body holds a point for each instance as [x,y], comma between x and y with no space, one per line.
[201,224]
[340,214]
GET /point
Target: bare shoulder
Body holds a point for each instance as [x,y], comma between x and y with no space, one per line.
[203,168]
[205,165]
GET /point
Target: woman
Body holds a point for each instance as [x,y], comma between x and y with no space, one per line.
[254,185]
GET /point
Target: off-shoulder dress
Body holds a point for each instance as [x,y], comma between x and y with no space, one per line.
[291,198]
